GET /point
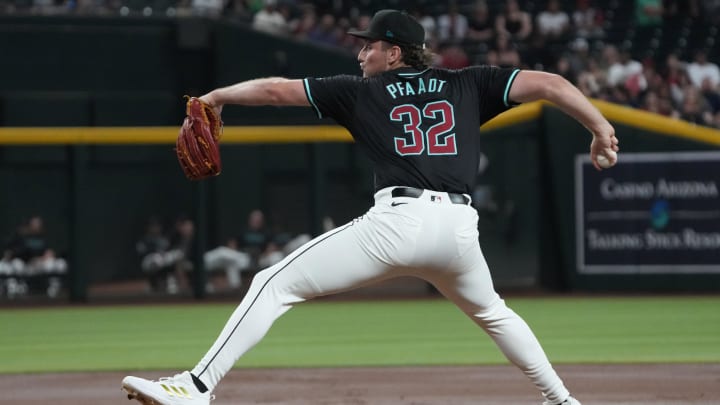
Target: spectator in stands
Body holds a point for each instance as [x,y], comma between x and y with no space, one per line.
[623,70]
[589,81]
[181,239]
[481,26]
[12,282]
[211,8]
[656,80]
[453,56]
[273,254]
[29,255]
[452,26]
[301,27]
[270,20]
[228,259]
[514,22]
[553,23]
[33,248]
[354,44]
[666,102]
[265,247]
[181,247]
[678,90]
[648,13]
[658,102]
[638,83]
[283,242]
[694,108]
[563,68]
[675,75]
[651,102]
[156,262]
[701,69]
[10,263]
[427,21]
[255,239]
[151,245]
[579,56]
[654,83]
[346,42]
[255,235]
[618,95]
[506,52]
[325,33]
[166,260]
[588,20]
[290,243]
[711,95]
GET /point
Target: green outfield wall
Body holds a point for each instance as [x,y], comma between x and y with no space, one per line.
[108,71]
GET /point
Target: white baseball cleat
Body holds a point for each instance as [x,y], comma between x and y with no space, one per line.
[568,401]
[176,390]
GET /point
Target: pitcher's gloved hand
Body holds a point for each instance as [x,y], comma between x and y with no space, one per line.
[197,144]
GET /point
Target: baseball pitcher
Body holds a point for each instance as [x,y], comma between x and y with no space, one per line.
[419,125]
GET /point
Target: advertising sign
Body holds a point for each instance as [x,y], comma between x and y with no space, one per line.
[651,213]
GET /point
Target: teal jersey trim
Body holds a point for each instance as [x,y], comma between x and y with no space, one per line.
[310,99]
[412,74]
[507,87]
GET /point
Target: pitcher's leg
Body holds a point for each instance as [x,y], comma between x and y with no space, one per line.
[329,263]
[472,290]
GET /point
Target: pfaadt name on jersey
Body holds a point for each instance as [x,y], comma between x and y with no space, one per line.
[399,89]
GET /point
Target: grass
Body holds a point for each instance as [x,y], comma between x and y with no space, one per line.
[571,330]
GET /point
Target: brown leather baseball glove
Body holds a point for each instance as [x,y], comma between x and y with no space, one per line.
[197,144]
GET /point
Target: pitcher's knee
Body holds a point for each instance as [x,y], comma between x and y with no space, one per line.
[284,282]
[262,277]
[494,312]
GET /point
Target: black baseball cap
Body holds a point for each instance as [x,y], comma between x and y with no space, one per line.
[396,27]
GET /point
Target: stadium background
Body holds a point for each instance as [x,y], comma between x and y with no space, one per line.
[90,103]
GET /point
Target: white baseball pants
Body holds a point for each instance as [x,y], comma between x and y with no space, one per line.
[429,237]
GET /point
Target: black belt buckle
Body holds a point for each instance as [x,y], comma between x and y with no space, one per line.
[413,192]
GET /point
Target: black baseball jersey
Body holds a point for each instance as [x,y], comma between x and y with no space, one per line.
[420,128]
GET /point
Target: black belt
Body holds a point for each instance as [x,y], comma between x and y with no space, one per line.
[413,192]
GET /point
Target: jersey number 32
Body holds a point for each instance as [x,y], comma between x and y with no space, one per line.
[438,138]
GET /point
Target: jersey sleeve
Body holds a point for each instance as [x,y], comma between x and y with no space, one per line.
[493,85]
[333,96]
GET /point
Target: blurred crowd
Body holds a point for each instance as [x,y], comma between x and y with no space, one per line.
[577,39]
[29,264]
[165,253]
